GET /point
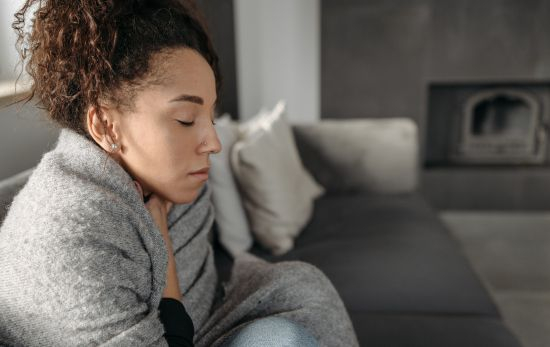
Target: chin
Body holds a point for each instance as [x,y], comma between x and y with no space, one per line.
[188,197]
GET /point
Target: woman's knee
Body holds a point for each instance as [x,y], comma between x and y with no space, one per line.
[271,332]
[299,273]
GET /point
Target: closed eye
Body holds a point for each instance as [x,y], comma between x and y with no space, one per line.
[186,124]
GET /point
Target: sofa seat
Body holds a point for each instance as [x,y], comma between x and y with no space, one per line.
[400,330]
[392,254]
[401,274]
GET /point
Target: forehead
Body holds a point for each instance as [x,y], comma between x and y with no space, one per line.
[184,70]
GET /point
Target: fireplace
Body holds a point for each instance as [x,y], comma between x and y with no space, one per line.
[486,146]
[501,126]
[488,124]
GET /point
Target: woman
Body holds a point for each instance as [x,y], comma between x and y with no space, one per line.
[107,243]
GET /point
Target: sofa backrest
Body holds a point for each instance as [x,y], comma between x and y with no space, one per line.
[9,188]
[361,155]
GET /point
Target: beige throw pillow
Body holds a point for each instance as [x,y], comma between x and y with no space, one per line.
[278,193]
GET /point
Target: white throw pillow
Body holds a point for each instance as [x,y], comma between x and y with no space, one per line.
[278,193]
[234,232]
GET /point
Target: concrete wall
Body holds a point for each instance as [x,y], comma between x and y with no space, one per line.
[278,56]
[379,56]
[220,19]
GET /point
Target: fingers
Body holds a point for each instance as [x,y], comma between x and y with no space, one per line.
[138,187]
[140,191]
[168,204]
[165,203]
[153,200]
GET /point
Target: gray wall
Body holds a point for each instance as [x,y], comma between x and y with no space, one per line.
[278,56]
[378,56]
[219,15]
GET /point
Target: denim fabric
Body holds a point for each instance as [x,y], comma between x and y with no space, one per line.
[271,332]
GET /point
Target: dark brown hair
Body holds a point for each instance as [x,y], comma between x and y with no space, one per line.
[80,53]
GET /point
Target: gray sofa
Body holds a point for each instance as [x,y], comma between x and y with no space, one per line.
[403,278]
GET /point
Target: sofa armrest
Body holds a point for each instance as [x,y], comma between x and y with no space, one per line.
[372,155]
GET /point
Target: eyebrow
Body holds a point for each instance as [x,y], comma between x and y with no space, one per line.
[192,98]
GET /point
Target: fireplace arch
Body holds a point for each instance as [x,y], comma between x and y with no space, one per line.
[501,126]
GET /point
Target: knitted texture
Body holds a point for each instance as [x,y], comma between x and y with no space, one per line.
[82,261]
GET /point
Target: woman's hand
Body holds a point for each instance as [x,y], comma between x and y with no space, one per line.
[159,208]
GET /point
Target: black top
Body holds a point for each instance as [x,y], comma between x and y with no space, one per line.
[178,326]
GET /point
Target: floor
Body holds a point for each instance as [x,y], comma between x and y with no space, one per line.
[511,253]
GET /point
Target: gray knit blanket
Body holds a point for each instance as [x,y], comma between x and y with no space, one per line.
[82,263]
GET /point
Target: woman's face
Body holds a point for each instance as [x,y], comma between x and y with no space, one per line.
[157,149]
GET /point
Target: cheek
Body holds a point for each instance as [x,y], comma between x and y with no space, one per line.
[155,142]
[166,156]
[177,157]
[152,151]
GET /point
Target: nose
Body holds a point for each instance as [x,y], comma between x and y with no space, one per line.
[211,143]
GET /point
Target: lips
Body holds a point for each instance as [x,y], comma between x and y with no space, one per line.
[201,175]
[204,170]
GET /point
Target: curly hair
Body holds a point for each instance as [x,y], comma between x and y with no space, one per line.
[80,53]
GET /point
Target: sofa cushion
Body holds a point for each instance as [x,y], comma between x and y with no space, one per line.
[398,330]
[277,191]
[390,253]
[373,155]
[9,187]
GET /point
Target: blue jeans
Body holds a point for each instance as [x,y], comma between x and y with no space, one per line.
[271,332]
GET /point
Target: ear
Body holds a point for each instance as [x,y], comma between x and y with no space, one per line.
[103,128]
